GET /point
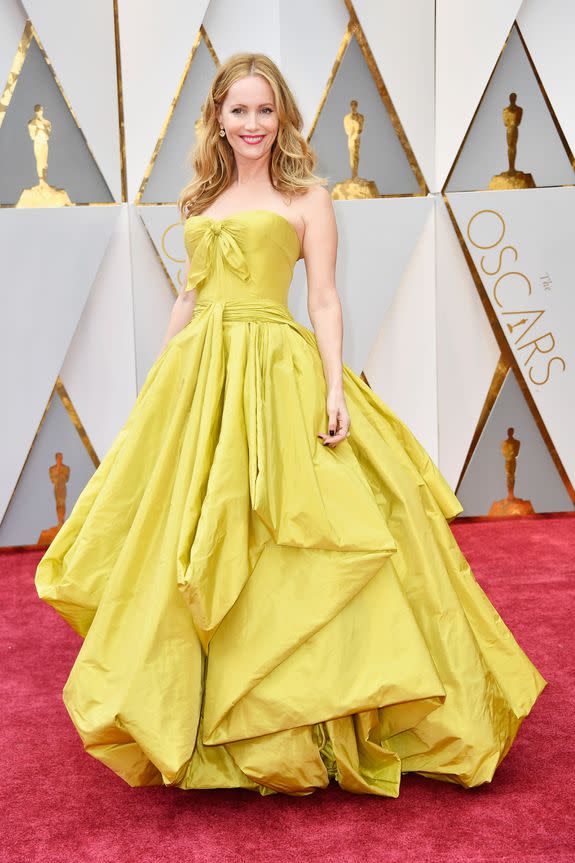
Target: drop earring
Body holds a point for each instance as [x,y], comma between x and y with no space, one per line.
[222,131]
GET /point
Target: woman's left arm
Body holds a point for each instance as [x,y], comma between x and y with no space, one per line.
[324,306]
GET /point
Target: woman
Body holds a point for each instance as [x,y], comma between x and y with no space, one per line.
[269,601]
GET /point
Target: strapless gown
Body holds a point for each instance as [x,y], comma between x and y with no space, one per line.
[259,610]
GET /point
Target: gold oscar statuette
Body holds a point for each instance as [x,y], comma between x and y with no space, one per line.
[512,179]
[356,187]
[59,476]
[43,194]
[511,505]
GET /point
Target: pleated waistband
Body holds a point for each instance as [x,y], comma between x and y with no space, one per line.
[239,309]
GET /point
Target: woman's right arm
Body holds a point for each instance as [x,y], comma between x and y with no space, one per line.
[182,311]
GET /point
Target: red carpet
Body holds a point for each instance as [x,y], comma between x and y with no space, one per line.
[62,806]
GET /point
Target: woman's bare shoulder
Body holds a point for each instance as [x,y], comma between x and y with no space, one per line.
[315,201]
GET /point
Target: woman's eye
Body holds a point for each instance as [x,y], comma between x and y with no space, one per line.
[267,110]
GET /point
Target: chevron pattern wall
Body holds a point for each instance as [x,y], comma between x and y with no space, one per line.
[456,280]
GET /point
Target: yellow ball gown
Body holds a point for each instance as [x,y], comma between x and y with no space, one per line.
[259,610]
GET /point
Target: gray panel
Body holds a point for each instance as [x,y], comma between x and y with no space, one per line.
[172,171]
[539,148]
[70,163]
[33,506]
[381,156]
[536,477]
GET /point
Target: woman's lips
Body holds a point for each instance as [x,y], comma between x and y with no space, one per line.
[252,139]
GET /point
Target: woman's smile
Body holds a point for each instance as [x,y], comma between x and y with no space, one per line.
[252,139]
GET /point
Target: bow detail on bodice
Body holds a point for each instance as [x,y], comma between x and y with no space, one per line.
[217,239]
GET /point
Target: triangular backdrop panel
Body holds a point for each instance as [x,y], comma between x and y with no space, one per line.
[172,169]
[149,31]
[548,34]
[99,371]
[78,39]
[521,243]
[54,255]
[71,166]
[32,508]
[166,231]
[540,151]
[376,240]
[469,39]
[251,25]
[153,298]
[536,477]
[12,24]
[381,156]
[394,41]
[401,367]
[467,350]
[307,53]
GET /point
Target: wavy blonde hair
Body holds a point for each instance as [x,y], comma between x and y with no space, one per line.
[291,160]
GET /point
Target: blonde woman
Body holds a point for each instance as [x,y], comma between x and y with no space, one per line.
[262,565]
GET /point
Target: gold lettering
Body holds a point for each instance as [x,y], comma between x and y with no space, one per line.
[497,241]
[494,273]
[504,276]
[544,381]
[527,313]
[521,321]
[537,348]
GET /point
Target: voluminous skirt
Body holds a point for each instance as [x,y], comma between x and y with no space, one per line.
[262,611]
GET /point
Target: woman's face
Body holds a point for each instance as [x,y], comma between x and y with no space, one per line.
[248,115]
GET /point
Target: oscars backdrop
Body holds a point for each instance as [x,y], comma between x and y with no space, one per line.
[447,130]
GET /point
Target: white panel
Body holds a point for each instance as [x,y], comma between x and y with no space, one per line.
[527,272]
[252,25]
[80,44]
[153,298]
[402,367]
[548,27]
[376,239]
[49,260]
[166,230]
[467,350]
[469,39]
[309,52]
[12,23]
[402,39]
[156,41]
[99,371]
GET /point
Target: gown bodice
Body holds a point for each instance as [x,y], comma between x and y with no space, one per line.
[248,255]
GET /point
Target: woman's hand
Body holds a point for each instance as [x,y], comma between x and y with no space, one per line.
[338,419]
